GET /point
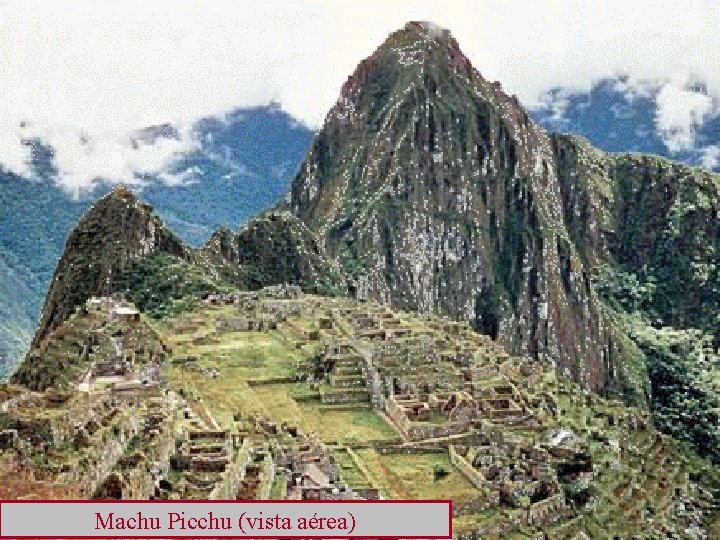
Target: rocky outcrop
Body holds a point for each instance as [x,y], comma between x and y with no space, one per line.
[435,192]
[278,248]
[117,230]
[222,245]
[588,196]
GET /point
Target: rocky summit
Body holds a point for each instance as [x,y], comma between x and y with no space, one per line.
[115,231]
[434,191]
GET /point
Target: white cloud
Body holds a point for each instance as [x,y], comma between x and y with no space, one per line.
[710,158]
[104,69]
[633,89]
[680,112]
[557,102]
[14,155]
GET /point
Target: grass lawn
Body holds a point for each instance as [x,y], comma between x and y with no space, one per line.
[349,470]
[411,476]
[240,356]
[471,521]
[347,426]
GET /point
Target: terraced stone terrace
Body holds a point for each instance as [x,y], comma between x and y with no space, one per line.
[332,366]
[281,394]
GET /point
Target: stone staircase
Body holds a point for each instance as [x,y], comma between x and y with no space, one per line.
[346,381]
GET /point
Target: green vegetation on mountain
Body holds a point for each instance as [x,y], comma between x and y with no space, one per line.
[429,190]
[121,246]
[683,364]
[668,234]
[163,285]
[117,230]
[279,248]
[70,350]
[685,375]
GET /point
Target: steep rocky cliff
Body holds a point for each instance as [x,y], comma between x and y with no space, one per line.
[668,223]
[117,230]
[650,217]
[435,192]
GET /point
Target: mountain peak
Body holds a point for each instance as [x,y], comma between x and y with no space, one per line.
[421,43]
[422,62]
[122,192]
[424,33]
[435,192]
[427,28]
[116,230]
[408,50]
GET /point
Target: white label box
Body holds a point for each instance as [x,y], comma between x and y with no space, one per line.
[225,519]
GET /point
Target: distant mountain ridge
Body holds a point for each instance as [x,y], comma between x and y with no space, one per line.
[619,115]
[243,165]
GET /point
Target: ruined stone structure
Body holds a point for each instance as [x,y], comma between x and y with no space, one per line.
[432,417]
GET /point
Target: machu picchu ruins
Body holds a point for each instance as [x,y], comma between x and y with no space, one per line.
[448,303]
[353,401]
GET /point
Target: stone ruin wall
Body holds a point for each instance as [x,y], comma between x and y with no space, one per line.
[229,485]
[103,460]
[267,477]
[474,476]
[419,430]
[477,505]
[546,510]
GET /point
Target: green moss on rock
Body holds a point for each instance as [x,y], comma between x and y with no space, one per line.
[162,285]
[278,248]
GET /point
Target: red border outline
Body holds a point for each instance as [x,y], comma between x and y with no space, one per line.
[226,501]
